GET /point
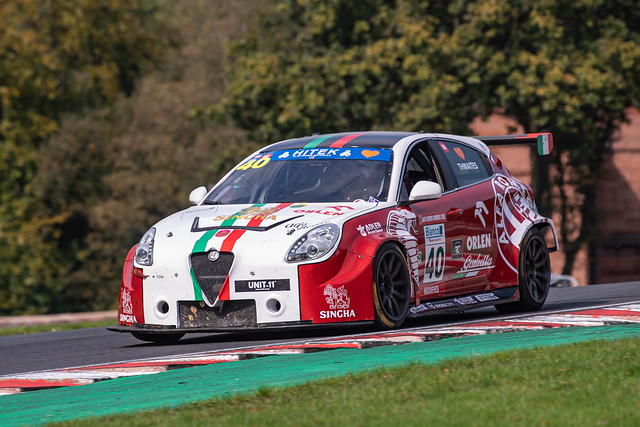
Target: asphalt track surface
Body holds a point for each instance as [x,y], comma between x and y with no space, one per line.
[64,349]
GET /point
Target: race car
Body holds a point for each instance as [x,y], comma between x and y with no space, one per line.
[344,229]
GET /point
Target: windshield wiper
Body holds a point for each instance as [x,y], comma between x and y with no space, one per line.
[212,202]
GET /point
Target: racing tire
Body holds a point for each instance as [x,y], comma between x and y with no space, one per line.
[158,338]
[534,275]
[391,286]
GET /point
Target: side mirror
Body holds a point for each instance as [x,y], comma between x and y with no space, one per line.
[198,195]
[425,190]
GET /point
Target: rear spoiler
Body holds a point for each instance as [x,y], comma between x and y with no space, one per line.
[543,140]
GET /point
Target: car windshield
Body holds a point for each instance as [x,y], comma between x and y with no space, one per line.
[308,175]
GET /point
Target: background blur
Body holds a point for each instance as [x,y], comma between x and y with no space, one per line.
[111,112]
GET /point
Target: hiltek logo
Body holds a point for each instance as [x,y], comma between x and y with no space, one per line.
[480,212]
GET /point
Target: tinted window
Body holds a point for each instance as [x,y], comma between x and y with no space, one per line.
[313,175]
[419,167]
[466,163]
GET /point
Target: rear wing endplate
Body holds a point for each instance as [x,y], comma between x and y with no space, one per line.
[543,140]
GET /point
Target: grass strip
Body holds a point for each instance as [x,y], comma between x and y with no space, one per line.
[34,329]
[588,383]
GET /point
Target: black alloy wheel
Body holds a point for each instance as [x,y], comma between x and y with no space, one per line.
[391,286]
[534,274]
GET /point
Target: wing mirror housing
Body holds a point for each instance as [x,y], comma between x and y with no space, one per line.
[425,190]
[198,195]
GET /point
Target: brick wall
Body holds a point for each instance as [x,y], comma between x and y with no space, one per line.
[615,255]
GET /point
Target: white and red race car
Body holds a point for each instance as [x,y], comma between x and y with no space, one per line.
[349,227]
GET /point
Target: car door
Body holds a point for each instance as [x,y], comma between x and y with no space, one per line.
[438,227]
[472,173]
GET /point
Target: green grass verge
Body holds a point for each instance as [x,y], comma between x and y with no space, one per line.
[21,330]
[590,383]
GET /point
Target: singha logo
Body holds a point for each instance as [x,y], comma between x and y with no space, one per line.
[337,298]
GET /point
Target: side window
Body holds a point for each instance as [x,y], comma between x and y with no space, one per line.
[419,167]
[466,163]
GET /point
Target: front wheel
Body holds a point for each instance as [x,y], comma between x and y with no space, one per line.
[164,338]
[391,286]
[534,274]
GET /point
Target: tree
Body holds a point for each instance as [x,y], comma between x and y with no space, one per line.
[56,57]
[569,67]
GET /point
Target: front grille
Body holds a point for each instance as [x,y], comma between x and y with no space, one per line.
[211,275]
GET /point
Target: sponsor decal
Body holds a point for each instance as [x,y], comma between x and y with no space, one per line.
[338,301]
[430,290]
[444,147]
[262,285]
[319,153]
[430,219]
[367,229]
[434,250]
[456,248]
[318,211]
[434,233]
[514,213]
[474,264]
[298,226]
[486,297]
[482,241]
[373,200]
[223,233]
[480,212]
[255,163]
[370,153]
[459,302]
[237,216]
[340,207]
[468,166]
[129,318]
[459,152]
[127,307]
[402,224]
[465,300]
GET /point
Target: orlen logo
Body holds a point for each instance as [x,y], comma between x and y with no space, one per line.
[339,301]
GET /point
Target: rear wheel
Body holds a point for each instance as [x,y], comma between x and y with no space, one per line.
[534,274]
[391,286]
[164,338]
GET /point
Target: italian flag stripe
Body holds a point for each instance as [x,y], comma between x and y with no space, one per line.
[317,141]
[342,141]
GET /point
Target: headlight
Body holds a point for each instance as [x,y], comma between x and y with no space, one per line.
[314,244]
[144,251]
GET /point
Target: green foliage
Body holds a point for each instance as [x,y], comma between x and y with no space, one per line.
[562,66]
[55,58]
[116,166]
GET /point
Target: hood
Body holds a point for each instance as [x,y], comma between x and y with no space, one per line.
[264,217]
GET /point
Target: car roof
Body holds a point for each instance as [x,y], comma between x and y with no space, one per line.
[371,139]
